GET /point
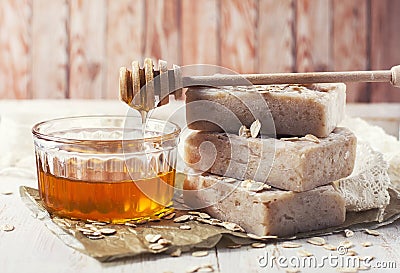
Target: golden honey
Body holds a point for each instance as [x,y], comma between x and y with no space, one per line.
[106,168]
[106,201]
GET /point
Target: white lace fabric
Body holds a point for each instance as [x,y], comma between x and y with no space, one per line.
[381,142]
[367,186]
[377,168]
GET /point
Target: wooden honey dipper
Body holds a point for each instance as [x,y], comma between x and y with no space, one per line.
[131,81]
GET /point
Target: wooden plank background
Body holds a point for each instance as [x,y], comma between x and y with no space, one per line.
[74,48]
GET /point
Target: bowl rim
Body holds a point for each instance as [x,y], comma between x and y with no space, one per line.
[36,133]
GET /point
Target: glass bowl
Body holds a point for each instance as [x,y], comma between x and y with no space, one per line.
[106,168]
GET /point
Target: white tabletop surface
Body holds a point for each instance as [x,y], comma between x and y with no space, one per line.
[31,247]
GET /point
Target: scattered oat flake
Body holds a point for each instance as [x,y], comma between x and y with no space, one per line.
[256,187]
[266,237]
[164,242]
[292,270]
[232,226]
[59,222]
[244,132]
[8,228]
[41,215]
[199,253]
[169,216]
[206,269]
[290,138]
[239,229]
[95,237]
[234,246]
[304,253]
[99,223]
[362,268]
[258,245]
[253,236]
[247,183]
[366,244]
[194,212]
[347,244]
[201,220]
[267,187]
[96,233]
[311,138]
[168,211]
[84,229]
[296,88]
[152,238]
[215,222]
[176,253]
[229,180]
[68,224]
[94,229]
[185,227]
[193,269]
[351,253]
[348,233]
[182,218]
[87,233]
[206,265]
[204,215]
[255,128]
[156,246]
[372,232]
[107,231]
[7,193]
[130,224]
[318,241]
[290,245]
[132,230]
[329,247]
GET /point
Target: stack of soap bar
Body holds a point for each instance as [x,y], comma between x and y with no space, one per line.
[296,109]
[299,152]
[295,164]
[268,212]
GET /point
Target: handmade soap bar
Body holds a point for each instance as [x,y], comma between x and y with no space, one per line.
[296,164]
[295,109]
[267,211]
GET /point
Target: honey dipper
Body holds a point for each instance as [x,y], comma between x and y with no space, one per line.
[131,81]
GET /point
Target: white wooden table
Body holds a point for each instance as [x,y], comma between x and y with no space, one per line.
[31,247]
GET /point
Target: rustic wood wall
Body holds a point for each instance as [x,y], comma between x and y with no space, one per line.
[74,48]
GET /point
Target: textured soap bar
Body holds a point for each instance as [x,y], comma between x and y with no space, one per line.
[296,164]
[295,109]
[267,212]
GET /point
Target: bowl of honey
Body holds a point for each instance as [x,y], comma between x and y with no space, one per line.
[106,168]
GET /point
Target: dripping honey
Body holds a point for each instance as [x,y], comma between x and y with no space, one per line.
[116,201]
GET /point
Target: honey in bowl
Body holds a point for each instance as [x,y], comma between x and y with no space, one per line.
[104,201]
[106,178]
